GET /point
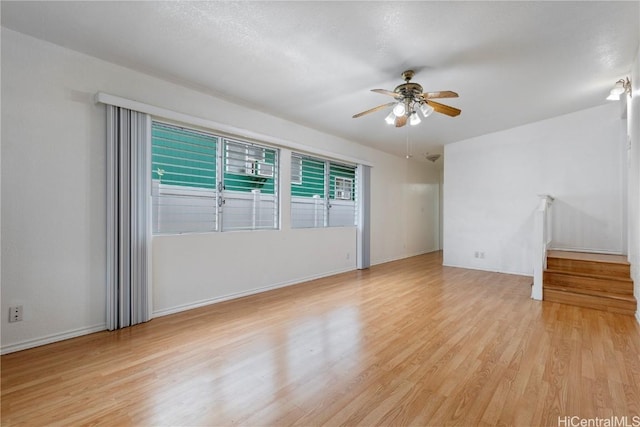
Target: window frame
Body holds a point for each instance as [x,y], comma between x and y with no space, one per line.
[251,162]
[328,200]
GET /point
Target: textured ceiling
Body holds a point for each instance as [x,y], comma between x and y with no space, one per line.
[314,63]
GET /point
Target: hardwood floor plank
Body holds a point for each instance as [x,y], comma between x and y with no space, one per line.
[404,343]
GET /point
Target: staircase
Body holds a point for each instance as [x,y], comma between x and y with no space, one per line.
[598,281]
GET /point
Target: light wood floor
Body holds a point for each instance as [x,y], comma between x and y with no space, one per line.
[404,343]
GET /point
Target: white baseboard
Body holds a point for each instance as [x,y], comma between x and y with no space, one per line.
[398,258]
[638,315]
[11,348]
[209,301]
[468,267]
[52,338]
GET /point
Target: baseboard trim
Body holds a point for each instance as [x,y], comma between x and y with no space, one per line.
[49,339]
[405,256]
[228,297]
[467,267]
[638,315]
[11,348]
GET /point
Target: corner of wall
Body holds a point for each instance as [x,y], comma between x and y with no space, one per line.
[633,200]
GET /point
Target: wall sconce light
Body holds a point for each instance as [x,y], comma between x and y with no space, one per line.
[621,86]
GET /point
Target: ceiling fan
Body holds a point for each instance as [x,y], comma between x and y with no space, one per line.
[409,98]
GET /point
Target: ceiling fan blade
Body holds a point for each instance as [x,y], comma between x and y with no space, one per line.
[444,109]
[441,94]
[401,121]
[373,110]
[387,92]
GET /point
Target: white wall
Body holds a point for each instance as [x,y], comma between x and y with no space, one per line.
[633,131]
[53,200]
[197,269]
[491,185]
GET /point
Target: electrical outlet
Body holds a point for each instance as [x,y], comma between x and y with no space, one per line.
[348,255]
[15,313]
[482,255]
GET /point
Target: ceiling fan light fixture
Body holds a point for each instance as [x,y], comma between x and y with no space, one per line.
[621,86]
[426,110]
[391,118]
[399,109]
[410,101]
[414,119]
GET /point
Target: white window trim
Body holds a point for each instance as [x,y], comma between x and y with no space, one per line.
[246,163]
[222,129]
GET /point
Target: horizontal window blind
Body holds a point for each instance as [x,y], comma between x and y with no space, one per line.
[183,166]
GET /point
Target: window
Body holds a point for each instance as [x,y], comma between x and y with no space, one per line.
[309,195]
[183,167]
[203,182]
[342,193]
[237,159]
[296,169]
[343,188]
[324,194]
[246,159]
[249,187]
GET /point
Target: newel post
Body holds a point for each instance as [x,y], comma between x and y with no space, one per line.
[541,240]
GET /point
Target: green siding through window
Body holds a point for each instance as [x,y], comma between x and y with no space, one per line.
[312,179]
[188,158]
[343,171]
[248,182]
[183,157]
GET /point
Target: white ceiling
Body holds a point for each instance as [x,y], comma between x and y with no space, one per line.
[314,63]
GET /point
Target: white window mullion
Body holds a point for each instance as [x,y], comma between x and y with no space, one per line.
[327,192]
[219,185]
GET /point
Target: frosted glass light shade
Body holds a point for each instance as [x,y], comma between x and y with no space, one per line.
[399,110]
[391,118]
[619,88]
[414,119]
[426,110]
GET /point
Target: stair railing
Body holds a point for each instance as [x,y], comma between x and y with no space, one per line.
[541,240]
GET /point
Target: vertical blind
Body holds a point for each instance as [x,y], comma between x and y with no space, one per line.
[128,215]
